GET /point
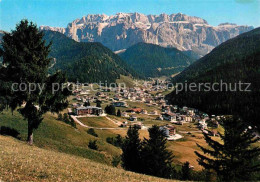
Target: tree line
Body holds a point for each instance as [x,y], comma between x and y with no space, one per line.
[232,159]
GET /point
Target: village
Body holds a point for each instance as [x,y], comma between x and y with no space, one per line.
[141,106]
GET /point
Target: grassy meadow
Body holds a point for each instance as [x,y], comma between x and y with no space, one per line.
[21,162]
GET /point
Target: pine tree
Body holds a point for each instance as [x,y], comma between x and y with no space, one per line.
[186,171]
[98,103]
[234,159]
[113,110]
[118,113]
[131,149]
[156,159]
[110,110]
[26,59]
[87,103]
[107,109]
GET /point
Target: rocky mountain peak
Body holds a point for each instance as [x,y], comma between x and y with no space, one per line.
[123,30]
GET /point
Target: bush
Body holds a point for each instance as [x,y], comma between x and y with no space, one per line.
[116,141]
[93,145]
[92,132]
[60,118]
[9,132]
[116,161]
[72,123]
[66,119]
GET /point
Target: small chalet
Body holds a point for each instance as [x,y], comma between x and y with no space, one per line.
[169,116]
[153,112]
[120,104]
[133,118]
[135,110]
[168,130]
[144,111]
[159,118]
[124,114]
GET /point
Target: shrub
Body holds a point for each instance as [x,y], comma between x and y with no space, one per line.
[93,145]
[60,117]
[116,161]
[9,132]
[67,119]
[92,132]
[116,141]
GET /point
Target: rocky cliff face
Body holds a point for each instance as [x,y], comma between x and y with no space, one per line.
[123,30]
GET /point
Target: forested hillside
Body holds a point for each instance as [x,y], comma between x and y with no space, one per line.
[233,62]
[85,62]
[154,61]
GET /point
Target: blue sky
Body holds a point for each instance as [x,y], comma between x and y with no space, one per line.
[59,13]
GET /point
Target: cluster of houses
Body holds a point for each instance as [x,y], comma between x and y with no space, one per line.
[138,94]
[121,96]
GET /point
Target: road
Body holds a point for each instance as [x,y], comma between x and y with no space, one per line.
[83,125]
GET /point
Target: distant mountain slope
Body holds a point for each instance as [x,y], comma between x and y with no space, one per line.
[85,62]
[1,35]
[122,30]
[153,61]
[237,60]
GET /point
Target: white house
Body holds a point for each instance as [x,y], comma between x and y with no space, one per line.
[133,118]
[124,114]
[169,116]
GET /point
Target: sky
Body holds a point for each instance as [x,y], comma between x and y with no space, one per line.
[58,13]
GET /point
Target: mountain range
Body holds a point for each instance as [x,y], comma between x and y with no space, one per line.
[85,62]
[123,30]
[234,61]
[154,61]
[1,35]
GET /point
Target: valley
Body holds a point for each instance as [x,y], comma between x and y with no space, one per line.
[153,95]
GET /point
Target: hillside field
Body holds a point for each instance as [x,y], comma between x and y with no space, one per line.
[21,162]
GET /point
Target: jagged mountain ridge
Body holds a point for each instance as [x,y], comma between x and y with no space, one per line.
[123,30]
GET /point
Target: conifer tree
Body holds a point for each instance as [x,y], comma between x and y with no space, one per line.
[131,148]
[87,103]
[98,103]
[26,59]
[156,159]
[234,159]
[118,113]
[186,171]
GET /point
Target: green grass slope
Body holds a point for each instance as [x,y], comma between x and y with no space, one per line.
[21,162]
[58,136]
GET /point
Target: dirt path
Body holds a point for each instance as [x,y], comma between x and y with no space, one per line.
[83,125]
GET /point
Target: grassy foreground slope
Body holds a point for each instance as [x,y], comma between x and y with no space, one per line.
[58,136]
[21,162]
